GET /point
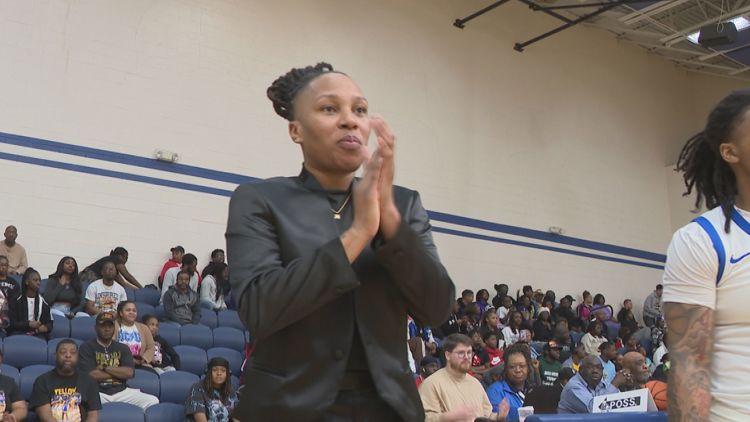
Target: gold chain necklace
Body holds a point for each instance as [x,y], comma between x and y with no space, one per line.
[337,213]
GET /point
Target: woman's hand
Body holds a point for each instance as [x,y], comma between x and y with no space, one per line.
[390,218]
[366,198]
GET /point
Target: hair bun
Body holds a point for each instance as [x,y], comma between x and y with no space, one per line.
[286,87]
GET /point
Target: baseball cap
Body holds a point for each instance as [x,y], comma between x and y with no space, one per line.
[568,297]
[178,248]
[552,344]
[105,317]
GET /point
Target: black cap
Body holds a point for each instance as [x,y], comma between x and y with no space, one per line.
[178,248]
[568,297]
[105,317]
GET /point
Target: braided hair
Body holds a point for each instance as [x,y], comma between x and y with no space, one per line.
[704,170]
[285,88]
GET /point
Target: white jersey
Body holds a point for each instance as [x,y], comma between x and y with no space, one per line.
[708,267]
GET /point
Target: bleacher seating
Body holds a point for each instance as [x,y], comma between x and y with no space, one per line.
[144,309]
[209,318]
[234,357]
[82,328]
[52,345]
[146,381]
[60,327]
[11,371]
[196,335]
[131,293]
[229,337]
[229,318]
[148,296]
[21,351]
[120,412]
[192,359]
[159,312]
[166,412]
[29,374]
[43,285]
[175,386]
[171,332]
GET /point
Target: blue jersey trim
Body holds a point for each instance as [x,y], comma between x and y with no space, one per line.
[716,241]
[740,221]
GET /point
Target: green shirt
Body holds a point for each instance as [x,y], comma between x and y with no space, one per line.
[548,370]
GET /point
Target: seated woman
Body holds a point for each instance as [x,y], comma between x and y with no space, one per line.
[593,338]
[119,256]
[29,313]
[611,326]
[511,390]
[135,335]
[64,293]
[584,309]
[165,357]
[214,287]
[491,322]
[213,398]
[514,331]
[543,326]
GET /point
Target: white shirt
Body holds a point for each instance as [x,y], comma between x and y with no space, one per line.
[170,277]
[208,293]
[106,298]
[30,305]
[695,275]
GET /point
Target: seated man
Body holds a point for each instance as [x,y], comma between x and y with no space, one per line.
[182,304]
[64,394]
[190,265]
[8,286]
[549,364]
[104,294]
[427,366]
[12,405]
[111,364]
[450,394]
[578,394]
[119,256]
[635,364]
[16,254]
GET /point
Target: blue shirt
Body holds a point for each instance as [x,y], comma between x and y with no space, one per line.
[501,390]
[577,397]
[609,371]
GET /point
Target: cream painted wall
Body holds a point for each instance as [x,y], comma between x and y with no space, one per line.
[575,132]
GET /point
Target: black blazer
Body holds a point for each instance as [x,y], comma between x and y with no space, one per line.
[19,315]
[301,298]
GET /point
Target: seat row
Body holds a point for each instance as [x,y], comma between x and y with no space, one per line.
[124,412]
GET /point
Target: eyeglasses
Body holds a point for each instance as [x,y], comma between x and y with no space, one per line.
[518,367]
[464,353]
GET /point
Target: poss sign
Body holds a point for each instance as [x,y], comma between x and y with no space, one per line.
[629,401]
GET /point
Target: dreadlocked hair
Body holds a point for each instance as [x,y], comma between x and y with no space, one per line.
[703,168]
[285,88]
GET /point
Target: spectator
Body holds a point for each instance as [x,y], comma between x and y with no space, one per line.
[608,354]
[480,360]
[549,294]
[189,265]
[578,395]
[528,291]
[565,311]
[626,318]
[118,256]
[451,326]
[575,359]
[514,332]
[14,252]
[661,350]
[110,364]
[652,306]
[515,384]
[29,314]
[174,262]
[549,364]
[65,394]
[181,303]
[466,299]
[584,309]
[492,348]
[427,366]
[135,335]
[525,307]
[501,290]
[8,286]
[563,337]
[449,394]
[630,344]
[217,257]
[491,322]
[165,357]
[657,332]
[12,407]
[470,318]
[104,294]
[213,399]
[215,287]
[593,338]
[64,293]
[661,373]
[538,300]
[504,311]
[483,297]
[544,398]
[543,326]
[634,363]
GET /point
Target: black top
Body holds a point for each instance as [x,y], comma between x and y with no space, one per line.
[541,331]
[71,292]
[92,354]
[10,288]
[544,398]
[167,356]
[9,393]
[96,267]
[68,397]
[19,316]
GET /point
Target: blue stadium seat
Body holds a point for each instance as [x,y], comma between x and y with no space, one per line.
[170,332]
[159,312]
[16,277]
[148,295]
[601,417]
[229,337]
[52,346]
[29,374]
[175,386]
[82,328]
[21,351]
[11,371]
[43,285]
[196,335]
[234,357]
[166,412]
[131,293]
[228,318]
[146,381]
[60,327]
[192,359]
[209,318]
[120,412]
[144,309]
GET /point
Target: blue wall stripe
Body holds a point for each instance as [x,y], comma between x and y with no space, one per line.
[114,174]
[118,157]
[149,163]
[549,237]
[543,247]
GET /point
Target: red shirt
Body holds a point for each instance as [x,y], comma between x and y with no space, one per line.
[495,355]
[167,265]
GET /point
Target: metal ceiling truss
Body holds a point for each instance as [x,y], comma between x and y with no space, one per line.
[660,27]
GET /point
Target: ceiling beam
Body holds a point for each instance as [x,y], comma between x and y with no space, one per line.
[682,35]
[649,11]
